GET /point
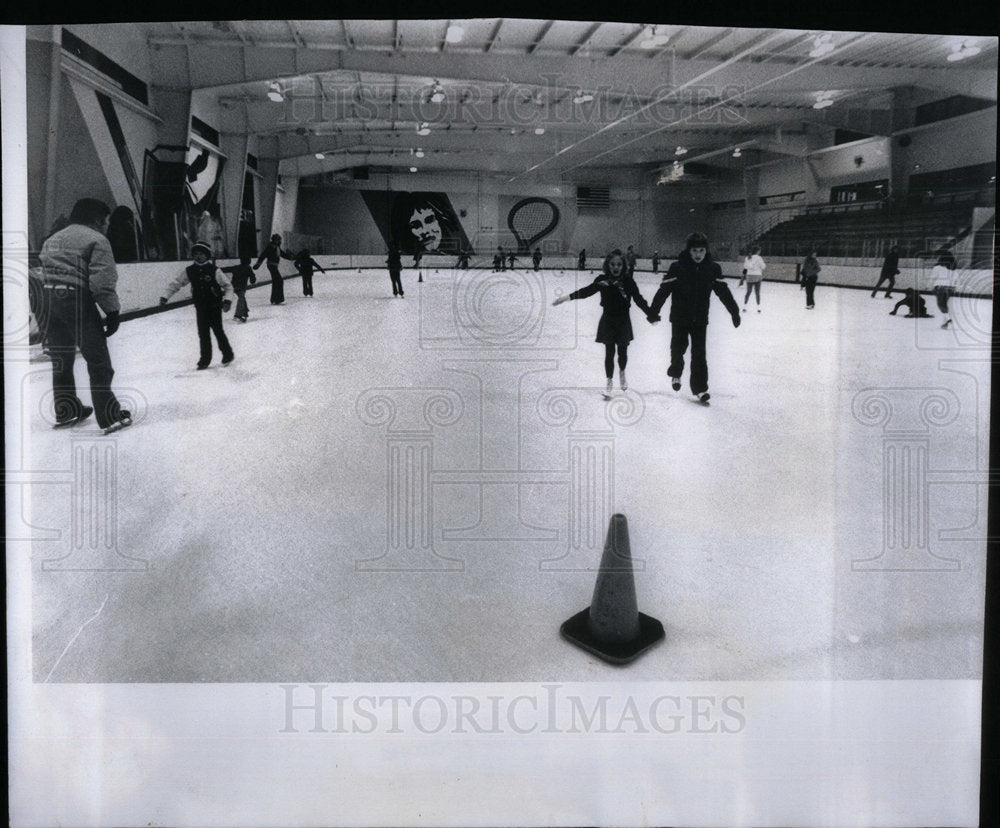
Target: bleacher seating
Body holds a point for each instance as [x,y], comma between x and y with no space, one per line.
[870,229]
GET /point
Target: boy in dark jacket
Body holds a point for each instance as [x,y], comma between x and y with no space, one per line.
[395,268]
[306,265]
[692,280]
[209,291]
[240,276]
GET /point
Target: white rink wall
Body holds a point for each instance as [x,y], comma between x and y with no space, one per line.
[141,284]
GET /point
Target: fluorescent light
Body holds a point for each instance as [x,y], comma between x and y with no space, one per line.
[583,97]
[320,156]
[274,92]
[454,34]
[680,151]
[822,45]
[962,50]
[419,153]
[539,130]
[822,103]
[423,129]
[437,94]
[413,169]
[737,153]
[653,38]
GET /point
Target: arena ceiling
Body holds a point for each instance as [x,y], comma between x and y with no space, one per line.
[544,99]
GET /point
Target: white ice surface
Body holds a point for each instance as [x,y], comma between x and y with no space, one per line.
[245,533]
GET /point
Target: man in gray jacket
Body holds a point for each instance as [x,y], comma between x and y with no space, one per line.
[79,277]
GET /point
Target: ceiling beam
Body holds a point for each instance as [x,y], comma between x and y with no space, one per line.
[708,44]
[591,31]
[540,36]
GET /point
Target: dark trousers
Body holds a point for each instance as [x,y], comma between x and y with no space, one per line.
[307,284]
[71,319]
[397,284]
[242,310]
[277,284]
[891,278]
[942,293]
[209,322]
[810,286]
[679,336]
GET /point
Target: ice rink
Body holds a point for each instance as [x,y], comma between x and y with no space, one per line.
[383,489]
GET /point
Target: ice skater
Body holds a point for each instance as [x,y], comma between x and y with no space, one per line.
[656,260]
[614,330]
[536,258]
[914,303]
[240,276]
[395,265]
[753,271]
[810,274]
[692,280]
[581,262]
[273,254]
[306,265]
[511,258]
[78,276]
[890,269]
[630,260]
[209,291]
[943,279]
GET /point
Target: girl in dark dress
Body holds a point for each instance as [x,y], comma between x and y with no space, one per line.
[614,330]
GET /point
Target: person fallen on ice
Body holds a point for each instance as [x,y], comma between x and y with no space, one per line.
[914,303]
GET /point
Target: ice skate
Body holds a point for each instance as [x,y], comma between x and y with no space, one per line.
[124,421]
[66,422]
[675,383]
[607,390]
[704,397]
[622,381]
[228,358]
[946,323]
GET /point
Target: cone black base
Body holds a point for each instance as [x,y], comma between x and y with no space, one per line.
[578,631]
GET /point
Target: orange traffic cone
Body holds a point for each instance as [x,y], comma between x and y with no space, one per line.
[612,627]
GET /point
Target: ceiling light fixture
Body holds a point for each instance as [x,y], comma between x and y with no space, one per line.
[680,151]
[823,100]
[454,34]
[653,37]
[582,97]
[274,92]
[539,130]
[822,45]
[962,49]
[437,93]
[737,153]
[413,169]
[419,153]
[320,156]
[423,129]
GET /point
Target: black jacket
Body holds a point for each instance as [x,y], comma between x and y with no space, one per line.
[692,286]
[241,274]
[612,299]
[272,254]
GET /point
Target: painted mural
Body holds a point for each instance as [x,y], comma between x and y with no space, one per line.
[418,221]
